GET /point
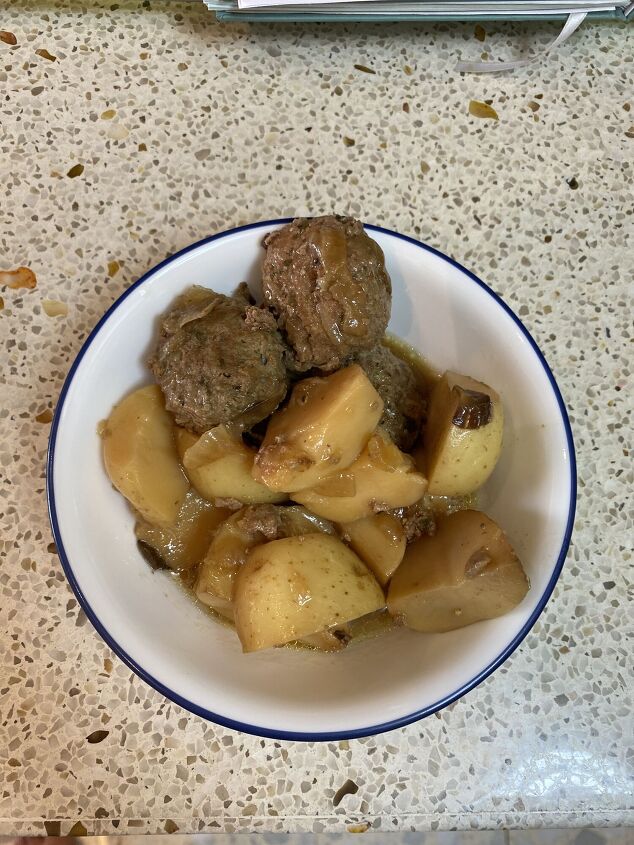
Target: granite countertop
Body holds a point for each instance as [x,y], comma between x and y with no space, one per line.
[129,130]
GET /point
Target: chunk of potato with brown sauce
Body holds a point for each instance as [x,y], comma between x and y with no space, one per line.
[463,436]
[466,572]
[324,427]
[380,542]
[292,588]
[233,540]
[381,478]
[140,456]
[219,465]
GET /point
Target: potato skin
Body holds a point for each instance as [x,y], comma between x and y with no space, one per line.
[140,456]
[458,460]
[293,588]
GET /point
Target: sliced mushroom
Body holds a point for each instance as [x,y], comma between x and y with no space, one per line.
[474,408]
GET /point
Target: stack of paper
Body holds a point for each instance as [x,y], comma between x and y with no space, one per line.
[415,9]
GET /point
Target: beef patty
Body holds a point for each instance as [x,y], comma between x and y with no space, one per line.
[219,359]
[326,282]
[394,381]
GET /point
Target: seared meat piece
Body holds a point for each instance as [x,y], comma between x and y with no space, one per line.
[326,282]
[218,360]
[261,520]
[417,519]
[394,381]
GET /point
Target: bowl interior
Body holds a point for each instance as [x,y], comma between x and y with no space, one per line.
[457,324]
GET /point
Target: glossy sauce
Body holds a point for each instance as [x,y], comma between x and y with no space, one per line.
[330,246]
[426,375]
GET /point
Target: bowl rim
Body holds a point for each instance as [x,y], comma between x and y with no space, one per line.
[260,730]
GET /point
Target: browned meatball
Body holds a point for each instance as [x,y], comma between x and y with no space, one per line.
[326,282]
[404,404]
[219,359]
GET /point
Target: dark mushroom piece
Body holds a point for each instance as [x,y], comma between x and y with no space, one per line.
[474,408]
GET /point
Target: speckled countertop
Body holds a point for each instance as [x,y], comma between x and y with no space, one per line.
[129,130]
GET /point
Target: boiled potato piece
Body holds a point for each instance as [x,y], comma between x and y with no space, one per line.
[463,436]
[219,466]
[324,427]
[183,544]
[184,439]
[464,573]
[140,455]
[380,542]
[298,586]
[234,539]
[381,478]
[226,554]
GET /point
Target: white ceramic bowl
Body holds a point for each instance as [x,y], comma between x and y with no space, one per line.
[457,323]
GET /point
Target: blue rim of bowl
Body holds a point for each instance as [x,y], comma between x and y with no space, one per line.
[258,730]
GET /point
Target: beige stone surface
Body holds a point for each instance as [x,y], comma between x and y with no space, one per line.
[147,126]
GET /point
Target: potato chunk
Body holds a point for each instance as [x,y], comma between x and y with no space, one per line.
[219,466]
[226,554]
[324,427]
[380,542]
[184,440]
[140,456]
[183,544]
[381,478]
[232,542]
[463,436]
[466,572]
[292,588]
